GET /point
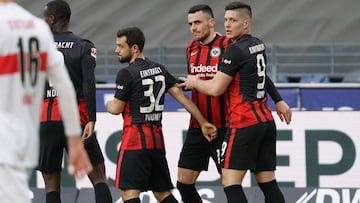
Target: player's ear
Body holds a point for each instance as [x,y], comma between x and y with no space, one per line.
[246,23]
[51,19]
[212,22]
[135,48]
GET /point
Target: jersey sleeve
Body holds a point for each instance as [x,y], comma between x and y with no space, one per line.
[231,60]
[88,64]
[170,79]
[60,79]
[124,82]
[271,89]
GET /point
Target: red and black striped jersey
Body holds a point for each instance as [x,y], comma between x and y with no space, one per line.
[79,55]
[245,61]
[142,86]
[204,60]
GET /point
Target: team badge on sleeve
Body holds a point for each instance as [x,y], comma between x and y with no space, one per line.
[93,52]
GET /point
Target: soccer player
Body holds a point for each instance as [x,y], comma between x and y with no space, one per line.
[139,96]
[79,57]
[27,58]
[204,53]
[250,142]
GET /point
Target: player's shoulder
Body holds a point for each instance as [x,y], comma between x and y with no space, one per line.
[153,63]
[221,41]
[192,44]
[87,42]
[256,40]
[74,37]
[251,44]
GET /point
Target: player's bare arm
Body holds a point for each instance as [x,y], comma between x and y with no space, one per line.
[213,87]
[115,106]
[88,130]
[208,130]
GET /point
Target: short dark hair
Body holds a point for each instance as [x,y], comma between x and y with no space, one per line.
[202,7]
[60,9]
[239,5]
[133,35]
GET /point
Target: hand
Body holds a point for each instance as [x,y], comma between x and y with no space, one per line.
[78,162]
[88,131]
[189,81]
[209,131]
[283,111]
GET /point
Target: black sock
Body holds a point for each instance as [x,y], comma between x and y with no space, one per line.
[235,194]
[134,200]
[53,197]
[272,192]
[188,193]
[102,193]
[169,199]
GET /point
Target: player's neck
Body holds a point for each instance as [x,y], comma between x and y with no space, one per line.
[60,27]
[137,56]
[210,38]
[5,1]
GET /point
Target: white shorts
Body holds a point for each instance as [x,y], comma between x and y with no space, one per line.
[14,184]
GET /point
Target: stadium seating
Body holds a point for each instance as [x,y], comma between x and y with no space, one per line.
[285,63]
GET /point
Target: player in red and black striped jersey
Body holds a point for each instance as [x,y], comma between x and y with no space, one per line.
[204,54]
[139,97]
[79,55]
[250,142]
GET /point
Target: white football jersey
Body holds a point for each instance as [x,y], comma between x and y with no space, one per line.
[27,57]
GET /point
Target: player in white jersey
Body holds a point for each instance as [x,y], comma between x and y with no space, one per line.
[27,57]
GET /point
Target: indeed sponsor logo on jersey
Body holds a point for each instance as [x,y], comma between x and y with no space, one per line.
[64,45]
[203,69]
[257,48]
[150,72]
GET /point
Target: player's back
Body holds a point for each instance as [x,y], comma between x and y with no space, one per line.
[24,41]
[150,82]
[246,62]
[77,53]
[142,86]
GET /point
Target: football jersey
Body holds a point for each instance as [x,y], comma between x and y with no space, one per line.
[204,60]
[80,61]
[245,61]
[142,85]
[27,57]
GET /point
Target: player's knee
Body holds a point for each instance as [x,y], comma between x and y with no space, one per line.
[161,195]
[188,192]
[187,176]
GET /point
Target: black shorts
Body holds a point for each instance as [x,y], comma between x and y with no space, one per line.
[253,148]
[196,151]
[52,144]
[143,170]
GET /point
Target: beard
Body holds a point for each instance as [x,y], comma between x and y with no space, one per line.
[203,38]
[125,59]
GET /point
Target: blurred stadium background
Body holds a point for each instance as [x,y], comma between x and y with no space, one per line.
[313,51]
[302,37]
